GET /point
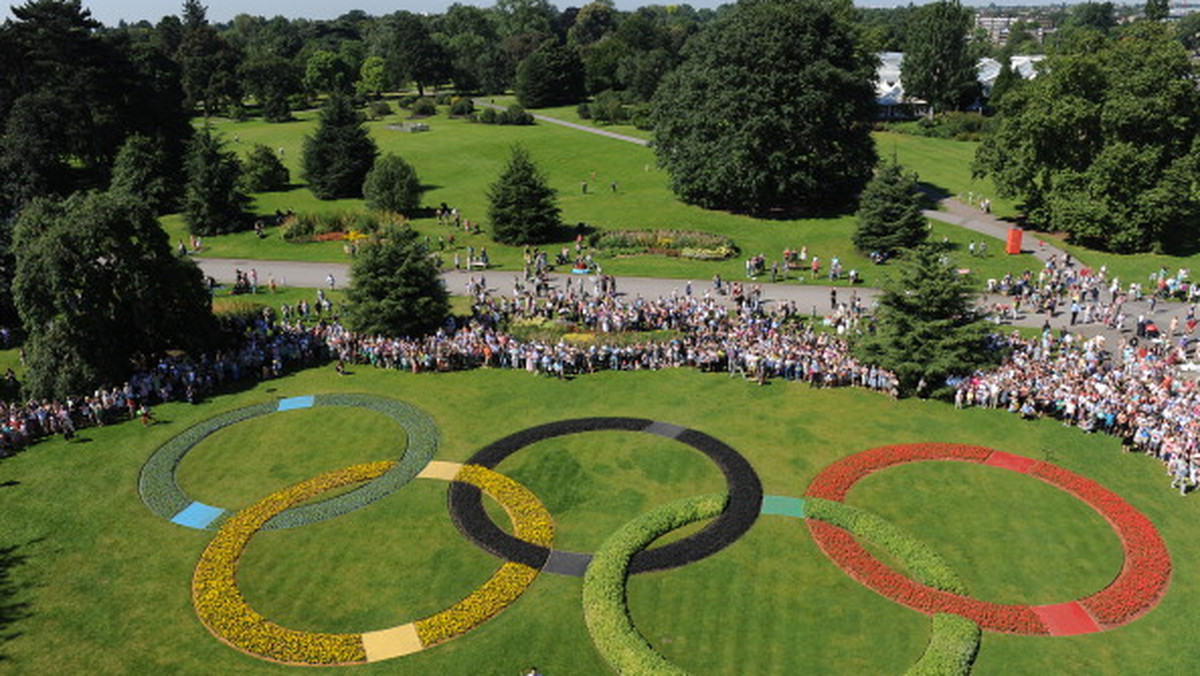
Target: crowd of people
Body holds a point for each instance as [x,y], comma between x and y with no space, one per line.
[746,339]
[1136,394]
[263,349]
[1139,397]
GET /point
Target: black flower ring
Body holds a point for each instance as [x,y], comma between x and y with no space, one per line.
[745,500]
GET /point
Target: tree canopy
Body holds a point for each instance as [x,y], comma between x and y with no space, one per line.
[521,204]
[928,328]
[395,288]
[213,201]
[339,154]
[938,64]
[889,213]
[550,76]
[392,185]
[769,111]
[1104,143]
[97,288]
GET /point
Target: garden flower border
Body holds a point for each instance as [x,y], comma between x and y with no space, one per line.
[161,493]
[743,484]
[1139,586]
[224,611]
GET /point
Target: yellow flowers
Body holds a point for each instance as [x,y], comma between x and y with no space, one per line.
[224,610]
[531,522]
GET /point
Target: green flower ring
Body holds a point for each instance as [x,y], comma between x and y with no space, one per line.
[161,493]
[1138,587]
[224,611]
[953,644]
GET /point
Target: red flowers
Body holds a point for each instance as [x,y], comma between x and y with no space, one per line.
[1137,589]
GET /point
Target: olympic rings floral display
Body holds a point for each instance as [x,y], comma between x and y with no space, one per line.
[927,583]
[1138,587]
[225,612]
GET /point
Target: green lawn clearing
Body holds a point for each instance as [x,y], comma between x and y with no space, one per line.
[101,585]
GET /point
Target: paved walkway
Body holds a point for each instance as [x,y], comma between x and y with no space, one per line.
[574,125]
[811,298]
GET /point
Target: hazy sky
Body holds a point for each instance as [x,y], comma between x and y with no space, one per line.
[111,11]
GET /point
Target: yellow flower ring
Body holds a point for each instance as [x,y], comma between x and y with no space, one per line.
[225,613]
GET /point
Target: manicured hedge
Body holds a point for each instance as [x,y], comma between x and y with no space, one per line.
[604,603]
[952,648]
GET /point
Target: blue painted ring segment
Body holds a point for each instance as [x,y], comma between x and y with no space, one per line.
[783,506]
[162,494]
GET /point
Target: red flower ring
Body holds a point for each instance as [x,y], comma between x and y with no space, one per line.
[1139,586]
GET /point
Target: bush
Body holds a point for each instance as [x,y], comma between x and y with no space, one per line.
[462,107]
[515,115]
[951,125]
[424,107]
[263,172]
[604,585]
[380,110]
[584,111]
[407,101]
[444,98]
[951,649]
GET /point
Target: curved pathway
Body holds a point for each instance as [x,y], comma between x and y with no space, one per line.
[814,299]
[574,125]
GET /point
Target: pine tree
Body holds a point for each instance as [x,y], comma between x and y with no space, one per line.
[339,155]
[889,213]
[213,201]
[521,205]
[392,185]
[141,171]
[395,288]
[928,326]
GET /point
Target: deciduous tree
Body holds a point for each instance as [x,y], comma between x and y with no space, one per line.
[770,110]
[97,288]
[938,64]
[392,185]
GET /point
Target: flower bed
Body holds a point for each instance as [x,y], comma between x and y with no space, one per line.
[1138,587]
[163,496]
[224,611]
[674,243]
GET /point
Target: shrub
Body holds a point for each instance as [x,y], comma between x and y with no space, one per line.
[424,107]
[380,110]
[515,115]
[444,98]
[951,650]
[462,107]
[584,111]
[604,585]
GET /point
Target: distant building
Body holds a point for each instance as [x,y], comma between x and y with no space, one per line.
[998,28]
[894,104]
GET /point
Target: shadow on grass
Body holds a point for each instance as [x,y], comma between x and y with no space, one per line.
[12,610]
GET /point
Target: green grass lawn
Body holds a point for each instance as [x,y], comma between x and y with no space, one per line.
[458,160]
[106,584]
